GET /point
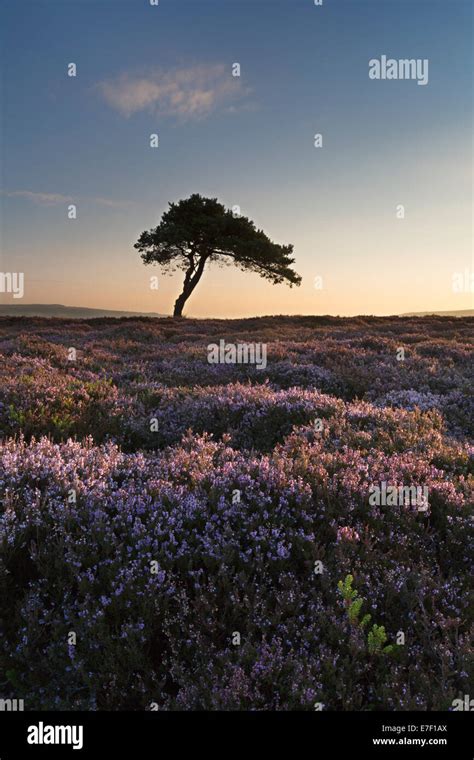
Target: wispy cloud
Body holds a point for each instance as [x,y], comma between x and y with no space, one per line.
[187,93]
[42,199]
[54,199]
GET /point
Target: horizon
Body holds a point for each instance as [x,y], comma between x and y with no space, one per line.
[123,314]
[248,140]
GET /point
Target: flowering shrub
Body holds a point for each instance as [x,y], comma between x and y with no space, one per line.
[196,565]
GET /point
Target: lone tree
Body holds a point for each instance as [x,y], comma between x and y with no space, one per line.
[198,230]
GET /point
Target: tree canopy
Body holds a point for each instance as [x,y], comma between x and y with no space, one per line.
[197,230]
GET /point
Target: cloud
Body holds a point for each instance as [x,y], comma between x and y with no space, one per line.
[54,199]
[186,93]
[43,199]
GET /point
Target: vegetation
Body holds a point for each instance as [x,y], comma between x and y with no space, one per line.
[163,518]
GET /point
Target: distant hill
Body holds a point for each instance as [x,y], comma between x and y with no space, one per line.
[458,313]
[52,310]
[66,312]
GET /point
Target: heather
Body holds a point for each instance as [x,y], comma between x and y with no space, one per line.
[156,505]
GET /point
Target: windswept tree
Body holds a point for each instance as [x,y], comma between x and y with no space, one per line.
[197,231]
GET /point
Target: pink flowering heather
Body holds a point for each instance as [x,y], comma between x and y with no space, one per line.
[347,534]
[189,522]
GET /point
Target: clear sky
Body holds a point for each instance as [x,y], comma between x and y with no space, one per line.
[248,140]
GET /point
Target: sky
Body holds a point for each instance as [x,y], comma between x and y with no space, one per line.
[380,215]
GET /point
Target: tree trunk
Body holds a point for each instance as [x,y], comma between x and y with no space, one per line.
[190,282]
[179,304]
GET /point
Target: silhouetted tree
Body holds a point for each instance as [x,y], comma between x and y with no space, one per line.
[199,230]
